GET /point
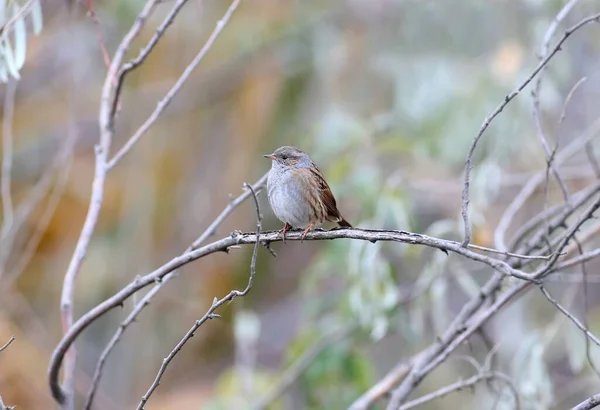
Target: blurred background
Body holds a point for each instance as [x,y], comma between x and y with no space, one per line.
[386,96]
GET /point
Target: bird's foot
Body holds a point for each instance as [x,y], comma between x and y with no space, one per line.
[285,228]
[305,232]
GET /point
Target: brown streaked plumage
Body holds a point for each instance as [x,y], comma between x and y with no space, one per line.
[298,192]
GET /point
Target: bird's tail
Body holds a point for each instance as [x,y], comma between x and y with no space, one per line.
[343,223]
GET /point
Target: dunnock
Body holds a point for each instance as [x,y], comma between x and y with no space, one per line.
[298,192]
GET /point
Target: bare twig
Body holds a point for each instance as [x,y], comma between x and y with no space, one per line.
[512,255]
[558,222]
[101,44]
[535,92]
[7,157]
[458,386]
[563,112]
[577,260]
[162,104]
[292,373]
[529,188]
[12,338]
[584,273]
[210,314]
[19,15]
[466,322]
[468,163]
[382,387]
[572,318]
[211,230]
[589,151]
[144,53]
[106,122]
[66,396]
[4,406]
[589,403]
[550,212]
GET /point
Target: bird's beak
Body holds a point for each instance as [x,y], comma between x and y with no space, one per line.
[269,156]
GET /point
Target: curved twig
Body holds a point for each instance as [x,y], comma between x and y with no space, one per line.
[588,404]
[106,124]
[468,163]
[12,338]
[162,104]
[211,230]
[210,314]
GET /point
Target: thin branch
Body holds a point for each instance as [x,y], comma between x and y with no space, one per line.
[588,404]
[468,163]
[589,151]
[513,255]
[162,104]
[572,318]
[530,187]
[21,13]
[536,98]
[563,112]
[4,406]
[292,373]
[144,53]
[238,238]
[211,230]
[65,396]
[534,222]
[577,260]
[101,43]
[466,322]
[382,387]
[560,220]
[210,314]
[458,386]
[12,338]
[7,157]
[584,273]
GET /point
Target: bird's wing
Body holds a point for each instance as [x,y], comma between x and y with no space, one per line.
[327,197]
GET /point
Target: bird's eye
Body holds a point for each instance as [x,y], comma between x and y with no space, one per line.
[284,157]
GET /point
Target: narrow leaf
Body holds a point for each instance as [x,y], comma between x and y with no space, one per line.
[3,73]
[20,39]
[36,16]
[9,58]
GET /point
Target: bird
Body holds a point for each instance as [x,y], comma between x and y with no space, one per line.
[298,193]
